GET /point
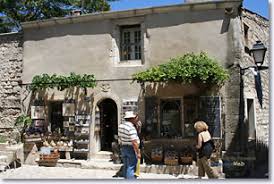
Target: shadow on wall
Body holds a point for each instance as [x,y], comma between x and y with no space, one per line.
[246,158]
[153,21]
[43,97]
[175,89]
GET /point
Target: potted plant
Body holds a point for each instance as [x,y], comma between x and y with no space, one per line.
[22,123]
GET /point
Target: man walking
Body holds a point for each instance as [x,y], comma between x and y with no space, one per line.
[129,142]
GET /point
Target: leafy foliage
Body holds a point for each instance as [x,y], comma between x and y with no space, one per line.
[22,123]
[2,139]
[90,6]
[23,120]
[188,68]
[62,82]
[6,25]
[30,10]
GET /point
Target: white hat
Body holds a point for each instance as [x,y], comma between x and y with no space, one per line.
[129,114]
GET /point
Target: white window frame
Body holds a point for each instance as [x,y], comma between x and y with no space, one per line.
[254,117]
[132,43]
[116,42]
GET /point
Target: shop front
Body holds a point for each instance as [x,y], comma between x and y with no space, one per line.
[78,128]
[168,132]
[62,125]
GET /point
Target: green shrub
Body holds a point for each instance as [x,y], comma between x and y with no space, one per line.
[2,139]
[62,82]
[186,69]
[23,120]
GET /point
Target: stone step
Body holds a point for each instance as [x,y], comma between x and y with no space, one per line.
[100,164]
[69,163]
[3,158]
[182,171]
[102,155]
[167,169]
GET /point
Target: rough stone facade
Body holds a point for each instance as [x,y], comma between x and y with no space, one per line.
[11,58]
[234,41]
[258,30]
[246,30]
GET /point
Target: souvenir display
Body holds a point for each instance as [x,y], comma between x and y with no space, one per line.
[157,154]
[171,158]
[68,109]
[37,112]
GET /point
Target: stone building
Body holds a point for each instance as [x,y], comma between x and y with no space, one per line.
[11,57]
[96,43]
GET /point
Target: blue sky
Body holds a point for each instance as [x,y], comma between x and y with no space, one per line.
[259,6]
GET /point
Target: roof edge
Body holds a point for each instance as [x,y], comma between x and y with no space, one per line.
[133,12]
[10,34]
[245,9]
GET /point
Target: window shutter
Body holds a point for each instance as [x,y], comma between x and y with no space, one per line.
[151,118]
[210,112]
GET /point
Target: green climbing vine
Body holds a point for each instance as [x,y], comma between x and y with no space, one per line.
[186,69]
[62,82]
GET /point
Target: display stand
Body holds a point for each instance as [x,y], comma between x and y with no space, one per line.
[68,125]
[81,136]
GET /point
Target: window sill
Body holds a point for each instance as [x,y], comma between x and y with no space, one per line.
[129,63]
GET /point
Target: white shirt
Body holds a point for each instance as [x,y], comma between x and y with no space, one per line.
[127,133]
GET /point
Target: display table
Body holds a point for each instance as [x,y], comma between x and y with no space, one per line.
[67,151]
[179,151]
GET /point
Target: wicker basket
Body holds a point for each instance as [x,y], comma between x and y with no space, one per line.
[49,160]
[186,160]
[47,163]
[157,158]
[52,156]
[171,161]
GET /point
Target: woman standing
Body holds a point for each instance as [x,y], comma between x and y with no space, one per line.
[205,147]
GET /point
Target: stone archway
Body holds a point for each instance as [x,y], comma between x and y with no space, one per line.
[95,137]
[108,123]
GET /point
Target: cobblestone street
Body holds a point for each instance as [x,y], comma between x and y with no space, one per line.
[36,172]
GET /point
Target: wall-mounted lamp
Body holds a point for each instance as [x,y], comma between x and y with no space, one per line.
[258,52]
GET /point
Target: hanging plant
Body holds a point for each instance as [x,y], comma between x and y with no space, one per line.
[186,69]
[62,82]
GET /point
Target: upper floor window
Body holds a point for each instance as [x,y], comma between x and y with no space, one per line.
[130,48]
[246,28]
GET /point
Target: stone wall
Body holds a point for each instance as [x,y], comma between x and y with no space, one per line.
[231,92]
[239,41]
[258,30]
[11,57]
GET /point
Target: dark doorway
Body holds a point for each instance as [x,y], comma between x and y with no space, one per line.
[108,123]
[56,117]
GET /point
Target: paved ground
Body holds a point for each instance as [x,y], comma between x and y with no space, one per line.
[36,172]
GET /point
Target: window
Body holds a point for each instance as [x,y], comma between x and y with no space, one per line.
[130,48]
[251,119]
[247,51]
[170,124]
[246,31]
[190,115]
[175,117]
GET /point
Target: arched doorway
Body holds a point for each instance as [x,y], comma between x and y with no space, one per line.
[108,123]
